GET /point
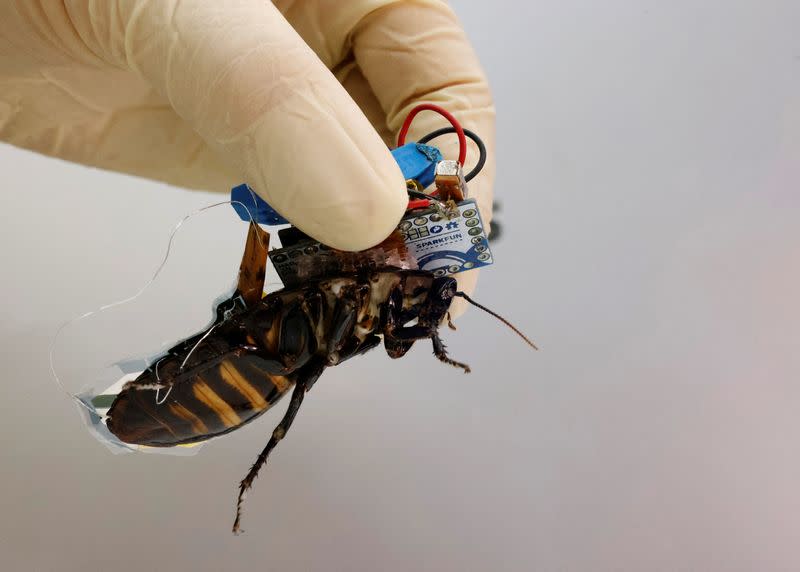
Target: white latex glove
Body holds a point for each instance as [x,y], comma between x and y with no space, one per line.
[207,94]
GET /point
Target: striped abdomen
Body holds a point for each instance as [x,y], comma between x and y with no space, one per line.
[214,401]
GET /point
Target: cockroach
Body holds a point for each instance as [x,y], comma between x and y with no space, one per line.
[258,348]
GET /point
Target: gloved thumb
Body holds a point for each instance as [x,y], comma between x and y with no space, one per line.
[240,75]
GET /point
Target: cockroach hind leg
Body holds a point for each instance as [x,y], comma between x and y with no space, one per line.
[440,352]
[312,371]
[278,434]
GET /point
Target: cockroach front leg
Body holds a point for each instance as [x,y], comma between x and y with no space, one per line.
[396,348]
[410,333]
[440,352]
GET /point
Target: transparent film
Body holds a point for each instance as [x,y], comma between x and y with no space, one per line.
[94,354]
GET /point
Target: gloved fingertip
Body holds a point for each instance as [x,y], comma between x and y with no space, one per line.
[331,176]
[365,221]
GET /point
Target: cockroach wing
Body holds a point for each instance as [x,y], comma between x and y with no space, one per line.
[206,400]
[254,265]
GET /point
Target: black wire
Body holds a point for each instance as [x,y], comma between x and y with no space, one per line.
[475,139]
[421,195]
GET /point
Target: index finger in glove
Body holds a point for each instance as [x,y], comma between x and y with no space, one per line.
[252,88]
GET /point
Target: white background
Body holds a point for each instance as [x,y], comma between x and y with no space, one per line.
[648,167]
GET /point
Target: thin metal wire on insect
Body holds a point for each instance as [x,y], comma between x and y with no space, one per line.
[200,341]
[142,289]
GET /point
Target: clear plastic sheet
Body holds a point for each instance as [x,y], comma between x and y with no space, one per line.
[95,353]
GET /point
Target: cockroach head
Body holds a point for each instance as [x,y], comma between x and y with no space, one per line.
[443,290]
[440,295]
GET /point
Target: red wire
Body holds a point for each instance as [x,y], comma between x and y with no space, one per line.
[462,139]
[418,203]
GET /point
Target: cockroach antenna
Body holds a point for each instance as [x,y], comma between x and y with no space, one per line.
[498,316]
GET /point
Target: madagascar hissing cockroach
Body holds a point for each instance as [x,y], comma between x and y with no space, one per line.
[258,348]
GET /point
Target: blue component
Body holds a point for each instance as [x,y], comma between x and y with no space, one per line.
[243,196]
[418,162]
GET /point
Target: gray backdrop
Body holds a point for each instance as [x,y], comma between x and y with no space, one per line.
[648,169]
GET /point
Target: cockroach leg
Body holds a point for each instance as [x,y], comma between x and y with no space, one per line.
[278,434]
[440,352]
[396,348]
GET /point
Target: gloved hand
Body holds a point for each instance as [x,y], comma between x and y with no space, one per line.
[207,94]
